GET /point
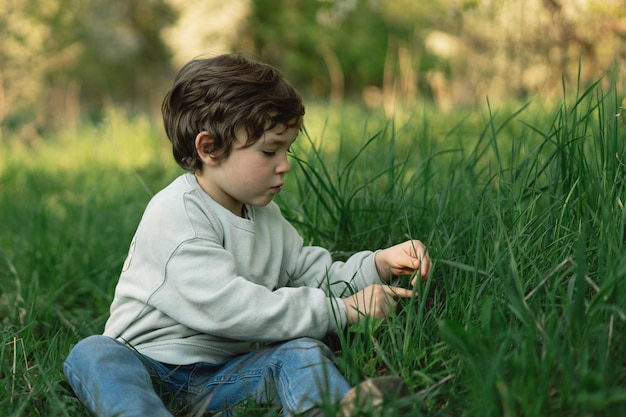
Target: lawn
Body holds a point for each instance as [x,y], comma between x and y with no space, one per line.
[521,206]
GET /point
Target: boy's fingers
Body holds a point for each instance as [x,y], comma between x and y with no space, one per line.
[398,292]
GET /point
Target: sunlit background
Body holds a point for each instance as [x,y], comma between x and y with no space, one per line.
[62,61]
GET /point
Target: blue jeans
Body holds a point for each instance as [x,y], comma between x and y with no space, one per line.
[113,379]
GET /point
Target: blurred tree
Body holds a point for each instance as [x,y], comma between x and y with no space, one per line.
[315,43]
[532,44]
[285,33]
[59,55]
[22,53]
[124,38]
[205,27]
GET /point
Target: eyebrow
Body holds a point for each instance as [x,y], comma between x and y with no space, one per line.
[277,141]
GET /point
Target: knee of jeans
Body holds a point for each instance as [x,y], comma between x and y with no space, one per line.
[310,346]
[89,347]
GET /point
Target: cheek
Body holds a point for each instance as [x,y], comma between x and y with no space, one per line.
[257,165]
[250,168]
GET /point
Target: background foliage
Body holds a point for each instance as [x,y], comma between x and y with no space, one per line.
[62,60]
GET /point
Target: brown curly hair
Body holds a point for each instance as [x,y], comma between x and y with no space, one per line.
[223,94]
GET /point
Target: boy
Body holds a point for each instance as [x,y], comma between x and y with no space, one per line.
[215,270]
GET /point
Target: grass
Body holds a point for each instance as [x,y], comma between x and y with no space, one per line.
[522,209]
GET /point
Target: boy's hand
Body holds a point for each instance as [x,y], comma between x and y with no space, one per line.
[378,301]
[403,259]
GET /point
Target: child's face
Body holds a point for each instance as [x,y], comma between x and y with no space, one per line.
[250,175]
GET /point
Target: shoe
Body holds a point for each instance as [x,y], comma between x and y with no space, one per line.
[370,395]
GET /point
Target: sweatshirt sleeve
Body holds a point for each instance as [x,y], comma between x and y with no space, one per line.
[313,266]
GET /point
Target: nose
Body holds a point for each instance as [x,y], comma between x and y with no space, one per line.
[283,166]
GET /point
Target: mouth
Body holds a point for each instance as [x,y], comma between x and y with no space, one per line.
[276,189]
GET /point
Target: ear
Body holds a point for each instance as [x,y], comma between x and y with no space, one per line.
[204,147]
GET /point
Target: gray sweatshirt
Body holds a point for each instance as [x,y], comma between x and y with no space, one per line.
[202,285]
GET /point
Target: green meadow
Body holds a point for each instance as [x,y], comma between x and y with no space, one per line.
[521,207]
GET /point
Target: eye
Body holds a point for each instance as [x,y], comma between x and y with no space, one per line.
[268,153]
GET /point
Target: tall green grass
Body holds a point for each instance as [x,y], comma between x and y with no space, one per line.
[522,209]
